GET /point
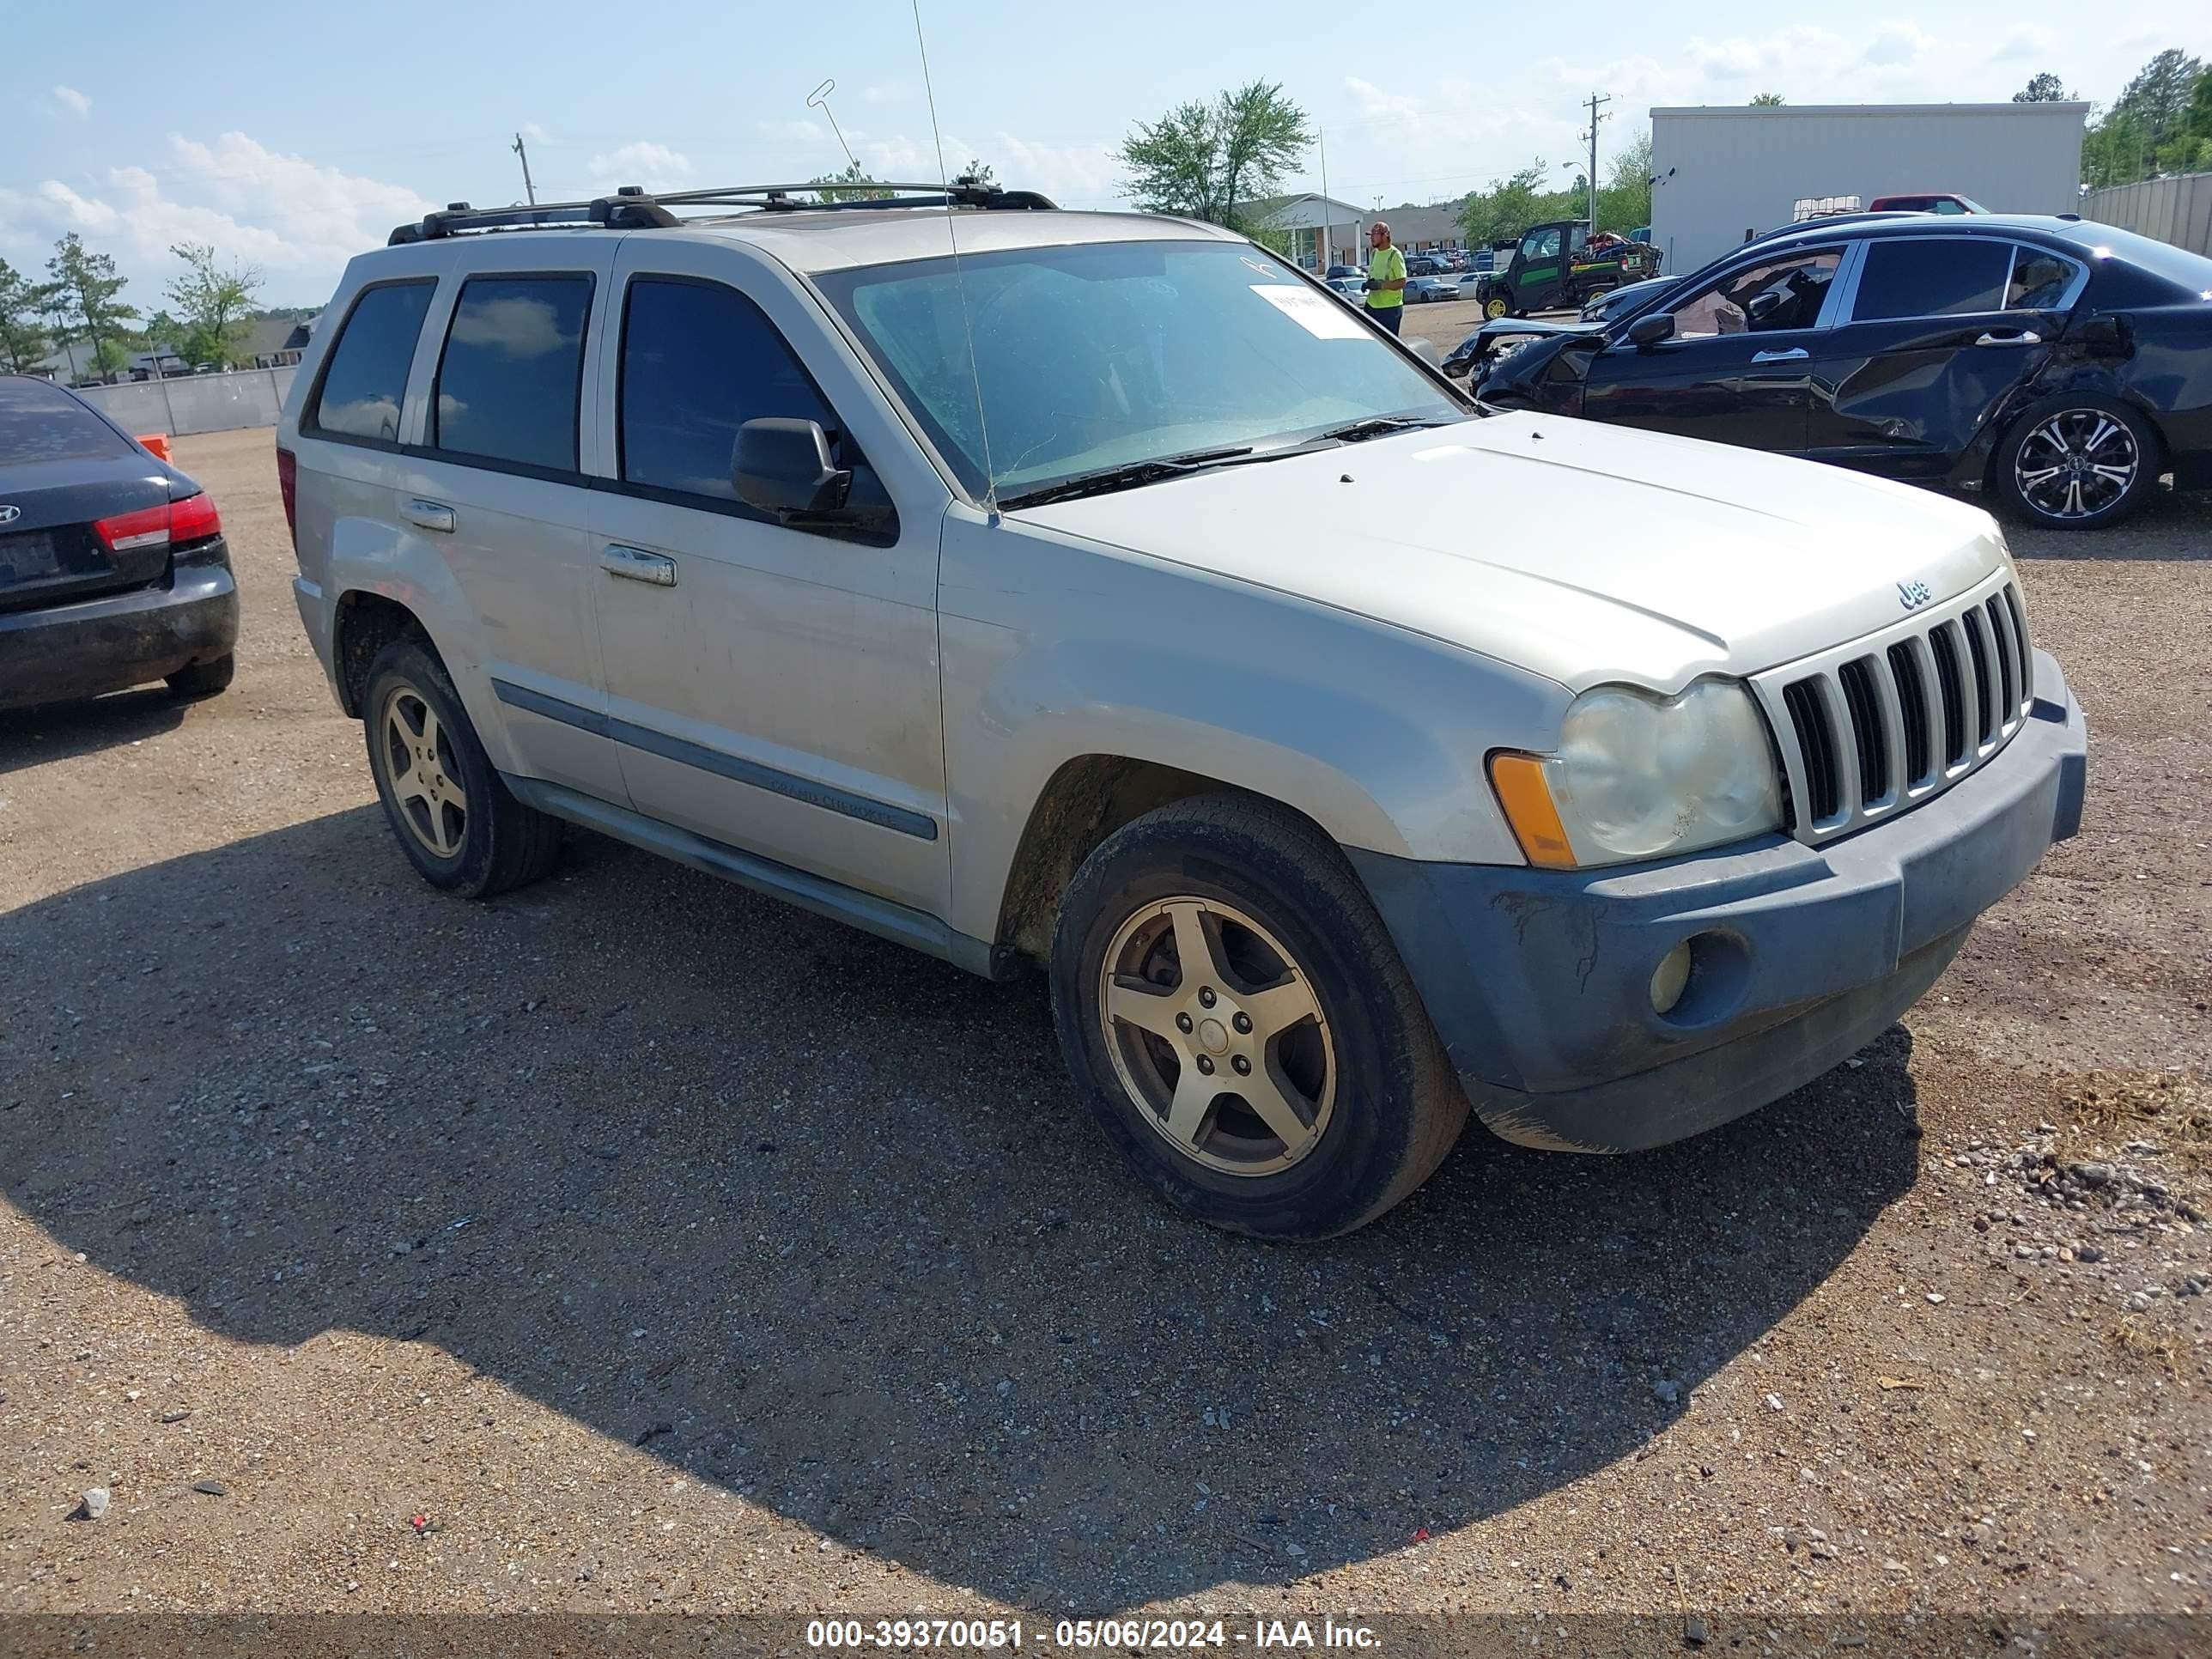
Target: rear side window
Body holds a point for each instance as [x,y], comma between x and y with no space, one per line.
[38,422]
[512,370]
[367,380]
[1930,278]
[699,361]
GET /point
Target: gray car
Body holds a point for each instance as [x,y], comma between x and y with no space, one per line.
[1087,593]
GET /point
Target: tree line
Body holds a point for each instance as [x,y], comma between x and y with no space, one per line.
[2160,122]
[80,303]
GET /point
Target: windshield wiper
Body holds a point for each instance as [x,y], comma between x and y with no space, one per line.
[1376,426]
[1124,477]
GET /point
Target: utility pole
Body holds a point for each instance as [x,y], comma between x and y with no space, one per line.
[528,189]
[1323,255]
[1596,101]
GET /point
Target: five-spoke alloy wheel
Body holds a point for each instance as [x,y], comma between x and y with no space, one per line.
[1235,1015]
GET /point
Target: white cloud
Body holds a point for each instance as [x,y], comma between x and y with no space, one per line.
[1896,44]
[656,167]
[74,101]
[1738,56]
[297,219]
[801,131]
[2029,40]
[890,92]
[536,134]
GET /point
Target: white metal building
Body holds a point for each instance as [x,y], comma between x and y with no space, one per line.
[1724,169]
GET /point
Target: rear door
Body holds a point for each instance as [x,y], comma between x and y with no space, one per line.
[1933,334]
[64,473]
[1739,364]
[495,485]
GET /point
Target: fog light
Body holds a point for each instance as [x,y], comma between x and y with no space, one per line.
[1669,978]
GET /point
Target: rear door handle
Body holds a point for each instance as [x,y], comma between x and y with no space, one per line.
[1794,354]
[636,565]
[2027,337]
[429,515]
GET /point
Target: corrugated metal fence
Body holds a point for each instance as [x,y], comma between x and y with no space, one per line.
[196,403]
[2176,209]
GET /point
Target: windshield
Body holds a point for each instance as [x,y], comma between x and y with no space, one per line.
[1105,354]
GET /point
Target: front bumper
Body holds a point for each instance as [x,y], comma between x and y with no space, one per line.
[1539,981]
[65,652]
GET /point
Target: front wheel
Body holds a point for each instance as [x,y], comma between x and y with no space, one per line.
[2075,462]
[1235,1014]
[1495,306]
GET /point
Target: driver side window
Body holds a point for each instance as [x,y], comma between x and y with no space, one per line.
[1541,244]
[1764,299]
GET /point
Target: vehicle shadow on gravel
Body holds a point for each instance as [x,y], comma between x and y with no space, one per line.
[30,737]
[889,1281]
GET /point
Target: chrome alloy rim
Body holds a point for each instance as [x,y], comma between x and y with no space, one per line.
[1218,1035]
[418,758]
[2077,464]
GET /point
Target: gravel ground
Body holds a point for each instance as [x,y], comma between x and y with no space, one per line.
[637,1243]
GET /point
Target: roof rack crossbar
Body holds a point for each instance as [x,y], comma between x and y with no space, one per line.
[633,208]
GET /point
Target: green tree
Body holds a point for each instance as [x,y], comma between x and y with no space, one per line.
[977,172]
[1506,207]
[2044,88]
[854,184]
[89,296]
[1624,201]
[2158,97]
[1218,161]
[1767,100]
[214,303]
[25,338]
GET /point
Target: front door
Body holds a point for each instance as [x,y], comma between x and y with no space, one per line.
[1941,331]
[1539,268]
[772,689]
[1737,368]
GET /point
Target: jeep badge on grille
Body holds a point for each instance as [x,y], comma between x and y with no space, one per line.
[1914,594]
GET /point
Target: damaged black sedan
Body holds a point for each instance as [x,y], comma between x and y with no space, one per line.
[2061,366]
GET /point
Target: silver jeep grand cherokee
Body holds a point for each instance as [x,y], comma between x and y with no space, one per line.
[1094,591]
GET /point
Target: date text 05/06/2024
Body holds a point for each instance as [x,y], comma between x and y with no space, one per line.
[1116,1635]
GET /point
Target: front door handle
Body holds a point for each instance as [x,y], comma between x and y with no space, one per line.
[1794,354]
[636,565]
[430,515]
[2026,336]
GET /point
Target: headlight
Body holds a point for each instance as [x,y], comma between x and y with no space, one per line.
[1642,777]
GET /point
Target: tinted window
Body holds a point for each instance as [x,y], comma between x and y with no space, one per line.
[2039,280]
[513,365]
[699,361]
[39,423]
[1924,277]
[1779,294]
[367,374]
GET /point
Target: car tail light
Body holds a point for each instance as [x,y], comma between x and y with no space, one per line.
[192,520]
[288,482]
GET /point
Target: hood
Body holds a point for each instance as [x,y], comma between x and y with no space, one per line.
[1500,328]
[1583,552]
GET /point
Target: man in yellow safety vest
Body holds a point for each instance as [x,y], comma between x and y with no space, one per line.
[1385,279]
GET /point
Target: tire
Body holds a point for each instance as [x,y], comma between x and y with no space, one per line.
[2085,439]
[460,825]
[203,679]
[1496,308]
[1336,1033]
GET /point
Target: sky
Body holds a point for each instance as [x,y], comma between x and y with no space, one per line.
[293,137]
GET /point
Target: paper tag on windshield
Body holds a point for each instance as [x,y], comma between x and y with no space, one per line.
[1319,315]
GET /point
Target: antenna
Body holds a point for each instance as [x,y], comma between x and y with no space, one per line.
[967,326]
[819,99]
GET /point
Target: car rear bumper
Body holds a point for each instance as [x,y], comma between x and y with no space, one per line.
[65,652]
[1539,981]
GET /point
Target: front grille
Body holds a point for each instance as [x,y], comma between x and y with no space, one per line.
[1872,727]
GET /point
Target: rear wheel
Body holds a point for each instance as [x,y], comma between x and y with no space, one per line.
[459,824]
[203,679]
[1235,1016]
[2076,462]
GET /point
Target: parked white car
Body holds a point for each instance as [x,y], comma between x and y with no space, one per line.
[1109,601]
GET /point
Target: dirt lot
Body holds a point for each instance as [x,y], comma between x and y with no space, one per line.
[665,1249]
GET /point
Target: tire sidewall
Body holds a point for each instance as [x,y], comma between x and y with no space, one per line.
[1339,1182]
[406,663]
[2008,451]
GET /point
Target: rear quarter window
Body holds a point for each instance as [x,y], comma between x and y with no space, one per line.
[40,422]
[366,382]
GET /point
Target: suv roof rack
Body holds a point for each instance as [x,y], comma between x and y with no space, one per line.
[631,207]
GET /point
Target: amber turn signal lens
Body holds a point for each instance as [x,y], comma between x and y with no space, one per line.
[1527,798]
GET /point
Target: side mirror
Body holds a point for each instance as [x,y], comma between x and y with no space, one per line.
[1649,331]
[783,466]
